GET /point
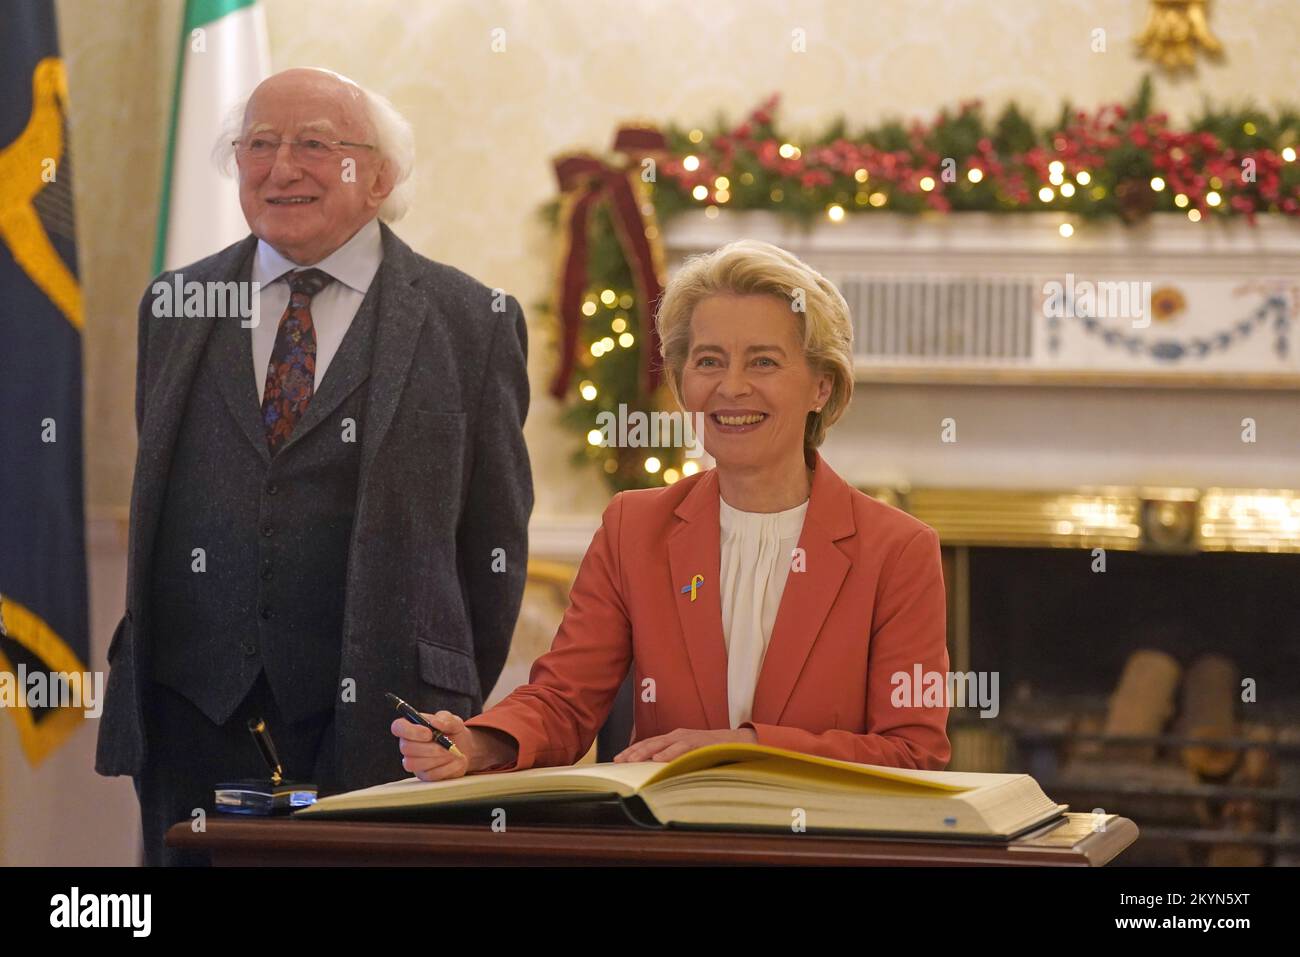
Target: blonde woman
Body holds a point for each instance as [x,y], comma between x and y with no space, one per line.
[809,596]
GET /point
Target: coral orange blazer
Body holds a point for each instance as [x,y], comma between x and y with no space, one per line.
[868,604]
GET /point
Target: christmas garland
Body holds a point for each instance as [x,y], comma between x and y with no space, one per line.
[1117,162]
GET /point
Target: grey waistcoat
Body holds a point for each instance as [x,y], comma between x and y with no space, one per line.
[267,589]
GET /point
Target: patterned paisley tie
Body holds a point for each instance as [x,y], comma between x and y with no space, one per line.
[291,376]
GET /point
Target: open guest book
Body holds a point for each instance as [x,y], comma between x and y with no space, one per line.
[742,786]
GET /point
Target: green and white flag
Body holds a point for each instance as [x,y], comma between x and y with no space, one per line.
[223,55]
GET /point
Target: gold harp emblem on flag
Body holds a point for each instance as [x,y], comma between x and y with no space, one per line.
[22,163]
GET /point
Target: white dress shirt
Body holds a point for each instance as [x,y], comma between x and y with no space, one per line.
[352,266]
[756,556]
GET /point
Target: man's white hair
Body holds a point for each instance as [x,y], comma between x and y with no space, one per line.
[394,138]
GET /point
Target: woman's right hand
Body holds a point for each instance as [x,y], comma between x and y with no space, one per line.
[425,758]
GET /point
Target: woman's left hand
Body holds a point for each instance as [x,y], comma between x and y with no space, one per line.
[665,747]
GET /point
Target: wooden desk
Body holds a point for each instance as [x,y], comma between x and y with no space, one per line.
[279,841]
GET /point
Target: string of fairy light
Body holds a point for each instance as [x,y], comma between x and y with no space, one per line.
[621,337]
[1057,185]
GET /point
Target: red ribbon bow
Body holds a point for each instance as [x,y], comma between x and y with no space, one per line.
[585,181]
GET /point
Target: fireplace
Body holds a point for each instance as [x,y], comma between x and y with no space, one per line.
[1147,657]
[1162,450]
[1166,687]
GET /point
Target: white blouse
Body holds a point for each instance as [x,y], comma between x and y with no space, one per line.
[756,556]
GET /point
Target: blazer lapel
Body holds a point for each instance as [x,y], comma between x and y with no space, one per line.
[397,328]
[695,548]
[239,381]
[808,594]
[169,391]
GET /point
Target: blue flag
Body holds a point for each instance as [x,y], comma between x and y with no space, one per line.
[44,638]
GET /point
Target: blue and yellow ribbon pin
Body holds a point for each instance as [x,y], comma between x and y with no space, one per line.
[693,587]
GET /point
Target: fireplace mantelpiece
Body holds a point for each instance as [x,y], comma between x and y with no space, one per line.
[964,298]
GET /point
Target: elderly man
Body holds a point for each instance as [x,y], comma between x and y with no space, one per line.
[330,502]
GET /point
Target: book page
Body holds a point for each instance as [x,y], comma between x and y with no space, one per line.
[814,766]
[622,779]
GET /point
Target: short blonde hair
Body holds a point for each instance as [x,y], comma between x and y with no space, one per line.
[749,267]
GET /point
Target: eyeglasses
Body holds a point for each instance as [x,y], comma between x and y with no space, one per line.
[264,149]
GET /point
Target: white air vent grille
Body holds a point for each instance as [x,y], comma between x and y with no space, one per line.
[938,318]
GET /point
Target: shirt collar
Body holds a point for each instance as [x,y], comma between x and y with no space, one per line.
[354,263]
